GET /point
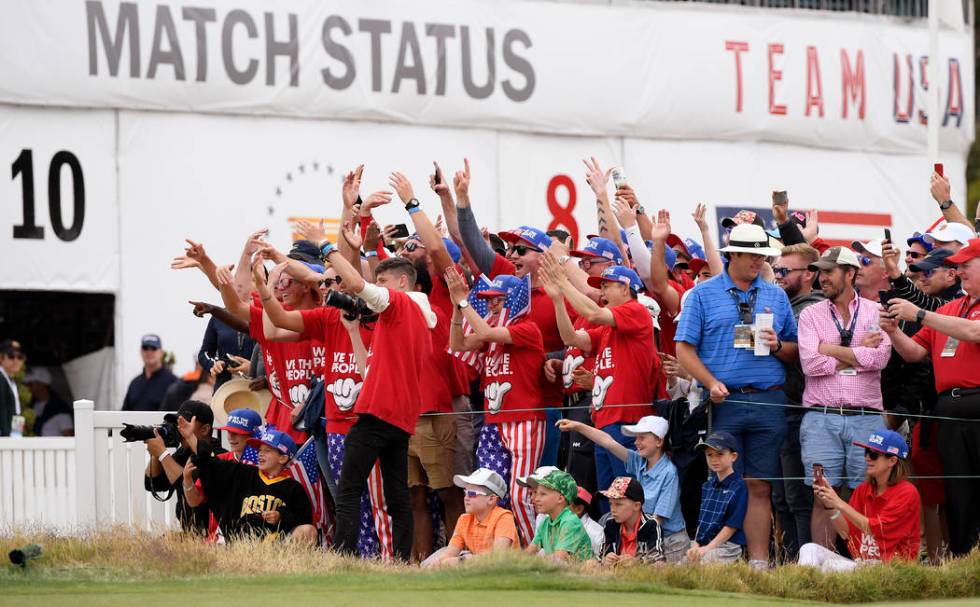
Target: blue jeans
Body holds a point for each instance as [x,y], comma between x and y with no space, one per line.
[759,430]
[552,437]
[607,465]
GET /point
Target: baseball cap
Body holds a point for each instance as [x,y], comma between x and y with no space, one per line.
[670,256]
[971,250]
[620,274]
[833,257]
[921,239]
[319,269]
[39,375]
[695,250]
[652,307]
[453,249]
[673,240]
[151,340]
[562,482]
[743,217]
[696,265]
[280,441]
[719,441]
[625,486]
[10,346]
[888,442]
[190,409]
[952,232]
[532,479]
[502,285]
[305,251]
[935,259]
[600,247]
[648,423]
[533,236]
[243,421]
[483,477]
[872,247]
[583,495]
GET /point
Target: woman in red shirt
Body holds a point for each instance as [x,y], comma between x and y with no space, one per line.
[881,520]
[512,440]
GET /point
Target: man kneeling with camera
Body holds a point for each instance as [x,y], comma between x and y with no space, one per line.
[165,470]
[248,500]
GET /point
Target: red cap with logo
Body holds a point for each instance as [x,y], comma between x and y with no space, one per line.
[971,250]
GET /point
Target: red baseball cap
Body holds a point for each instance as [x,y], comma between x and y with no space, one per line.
[971,250]
[696,265]
[584,495]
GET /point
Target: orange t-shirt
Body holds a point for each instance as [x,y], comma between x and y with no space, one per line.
[478,537]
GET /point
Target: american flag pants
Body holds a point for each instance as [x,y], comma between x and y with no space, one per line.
[374,532]
[513,449]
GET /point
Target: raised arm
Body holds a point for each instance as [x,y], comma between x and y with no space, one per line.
[243,273]
[596,436]
[598,180]
[291,320]
[962,329]
[939,187]
[668,297]
[907,348]
[711,254]
[431,239]
[550,275]
[482,331]
[581,303]
[469,230]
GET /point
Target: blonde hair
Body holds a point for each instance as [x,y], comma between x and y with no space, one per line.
[804,250]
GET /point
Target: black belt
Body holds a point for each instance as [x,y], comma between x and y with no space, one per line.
[845,410]
[751,390]
[960,392]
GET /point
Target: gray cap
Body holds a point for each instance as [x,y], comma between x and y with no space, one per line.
[483,477]
[835,256]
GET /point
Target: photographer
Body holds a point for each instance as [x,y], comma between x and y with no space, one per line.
[165,470]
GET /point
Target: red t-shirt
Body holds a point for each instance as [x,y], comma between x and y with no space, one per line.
[893,518]
[625,359]
[575,358]
[341,381]
[289,367]
[512,375]
[399,350]
[440,369]
[668,323]
[960,370]
[543,314]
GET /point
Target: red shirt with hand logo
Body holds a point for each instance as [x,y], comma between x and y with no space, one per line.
[575,358]
[624,366]
[341,381]
[512,376]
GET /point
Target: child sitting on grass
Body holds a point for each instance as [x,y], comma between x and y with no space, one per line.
[724,500]
[630,534]
[562,535]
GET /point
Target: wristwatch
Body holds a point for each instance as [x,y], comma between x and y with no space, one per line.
[640,210]
[920,316]
[945,204]
[463,305]
[412,204]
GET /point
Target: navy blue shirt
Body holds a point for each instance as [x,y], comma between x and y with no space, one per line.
[146,393]
[707,322]
[220,339]
[723,504]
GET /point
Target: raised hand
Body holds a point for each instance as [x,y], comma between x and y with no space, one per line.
[625,215]
[939,187]
[372,236]
[550,275]
[224,276]
[402,186]
[699,215]
[812,229]
[312,232]
[661,227]
[183,262]
[195,251]
[352,186]
[461,182]
[441,227]
[780,212]
[201,308]
[890,256]
[254,241]
[597,179]
[352,234]
[458,291]
[441,188]
[376,199]
[629,195]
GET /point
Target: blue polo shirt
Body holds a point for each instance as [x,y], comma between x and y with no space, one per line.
[708,321]
[723,504]
[661,490]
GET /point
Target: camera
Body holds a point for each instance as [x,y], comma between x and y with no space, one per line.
[167,430]
[352,307]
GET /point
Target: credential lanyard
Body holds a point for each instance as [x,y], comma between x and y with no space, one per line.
[745,310]
[849,334]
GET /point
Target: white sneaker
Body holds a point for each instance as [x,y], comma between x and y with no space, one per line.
[759,565]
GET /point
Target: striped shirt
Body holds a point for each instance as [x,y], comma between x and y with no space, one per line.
[825,386]
[708,321]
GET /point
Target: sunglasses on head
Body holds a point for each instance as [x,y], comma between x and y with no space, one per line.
[411,245]
[471,494]
[784,272]
[329,282]
[522,250]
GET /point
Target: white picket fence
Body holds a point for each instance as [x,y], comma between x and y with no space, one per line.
[90,480]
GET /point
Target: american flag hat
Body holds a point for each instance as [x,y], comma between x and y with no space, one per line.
[280,441]
[620,274]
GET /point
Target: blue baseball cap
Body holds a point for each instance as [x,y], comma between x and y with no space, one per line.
[280,441]
[719,441]
[533,236]
[602,248]
[151,340]
[887,442]
[315,267]
[503,284]
[620,274]
[670,256]
[243,421]
[622,236]
[695,250]
[454,253]
[921,239]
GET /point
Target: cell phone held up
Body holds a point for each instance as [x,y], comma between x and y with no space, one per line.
[399,231]
[817,473]
[938,168]
[780,197]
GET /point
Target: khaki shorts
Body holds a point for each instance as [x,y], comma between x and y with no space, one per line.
[431,452]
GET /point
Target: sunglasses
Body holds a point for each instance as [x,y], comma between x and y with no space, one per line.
[865,260]
[522,250]
[16,355]
[586,263]
[329,282]
[411,245]
[874,455]
[784,272]
[681,266]
[914,254]
[471,494]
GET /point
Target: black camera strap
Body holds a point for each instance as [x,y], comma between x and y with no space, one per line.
[848,335]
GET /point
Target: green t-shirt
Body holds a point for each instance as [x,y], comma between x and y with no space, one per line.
[564,533]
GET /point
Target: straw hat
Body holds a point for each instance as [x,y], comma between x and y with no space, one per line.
[234,394]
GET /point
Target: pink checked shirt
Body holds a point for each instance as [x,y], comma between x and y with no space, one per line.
[824,385]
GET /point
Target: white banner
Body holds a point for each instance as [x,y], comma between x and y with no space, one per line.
[650,70]
[58,210]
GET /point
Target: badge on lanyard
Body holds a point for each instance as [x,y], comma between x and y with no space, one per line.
[949,350]
[744,333]
[743,337]
[848,372]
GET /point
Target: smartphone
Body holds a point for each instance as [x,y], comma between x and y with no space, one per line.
[888,234]
[884,297]
[780,198]
[817,473]
[938,167]
[437,178]
[400,231]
